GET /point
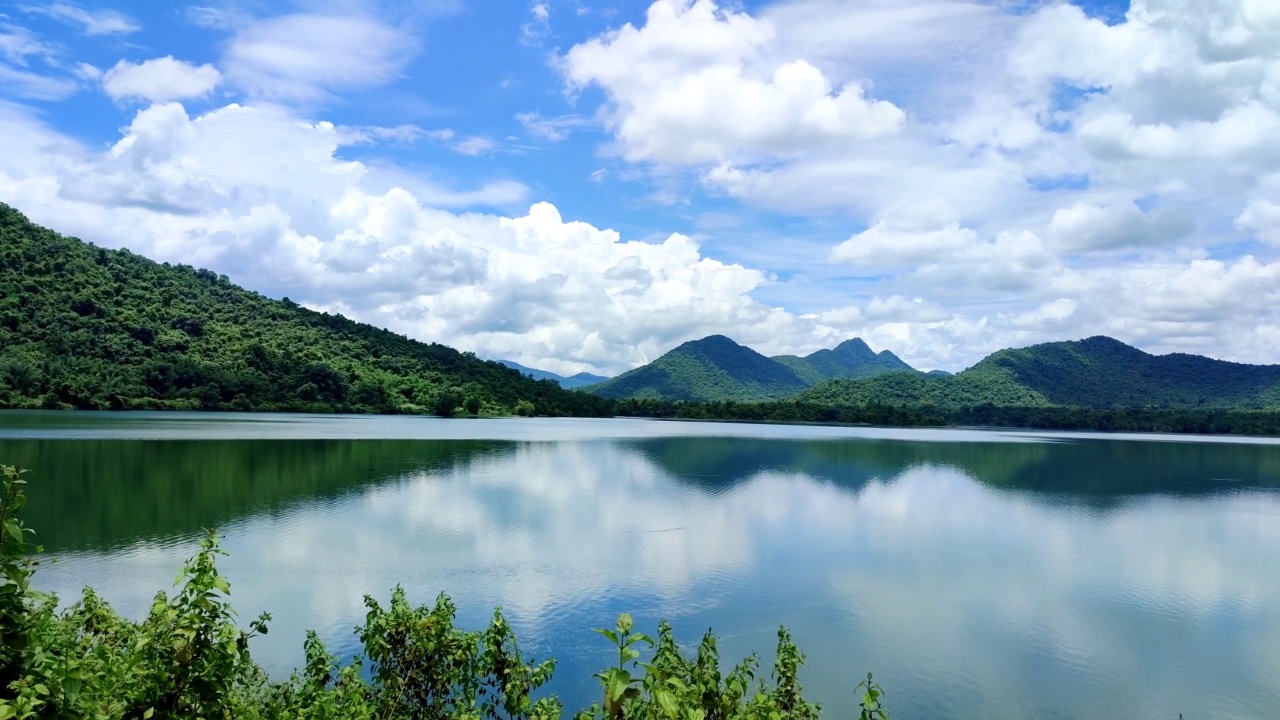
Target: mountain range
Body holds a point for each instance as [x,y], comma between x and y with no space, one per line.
[1097,372]
[569,382]
[91,328]
[717,368]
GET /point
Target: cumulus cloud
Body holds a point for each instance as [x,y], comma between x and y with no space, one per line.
[1086,226]
[307,57]
[1262,218]
[694,85]
[160,80]
[1073,158]
[259,193]
[887,244]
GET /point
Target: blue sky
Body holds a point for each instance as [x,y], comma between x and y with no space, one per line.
[940,177]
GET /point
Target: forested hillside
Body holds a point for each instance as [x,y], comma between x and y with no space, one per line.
[1097,373]
[713,368]
[1101,372]
[86,327]
[849,359]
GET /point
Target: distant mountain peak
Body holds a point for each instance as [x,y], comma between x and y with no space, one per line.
[711,368]
[1108,343]
[712,341]
[855,347]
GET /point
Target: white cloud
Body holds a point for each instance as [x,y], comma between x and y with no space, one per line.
[95,22]
[539,25]
[694,85]
[1044,160]
[258,193]
[1261,217]
[85,71]
[474,145]
[307,57]
[37,86]
[887,245]
[553,129]
[214,18]
[17,44]
[1085,226]
[18,49]
[406,133]
[160,80]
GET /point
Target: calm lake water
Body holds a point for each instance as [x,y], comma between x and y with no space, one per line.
[978,574]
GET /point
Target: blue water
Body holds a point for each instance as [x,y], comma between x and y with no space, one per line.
[978,574]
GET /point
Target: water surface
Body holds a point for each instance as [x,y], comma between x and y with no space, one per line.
[979,574]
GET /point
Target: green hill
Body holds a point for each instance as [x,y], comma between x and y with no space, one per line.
[713,368]
[718,369]
[86,327]
[849,359]
[1102,372]
[1098,372]
[976,386]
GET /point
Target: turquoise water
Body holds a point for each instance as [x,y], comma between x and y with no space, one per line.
[978,574]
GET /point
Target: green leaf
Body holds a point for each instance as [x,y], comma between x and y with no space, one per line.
[619,683]
[640,637]
[667,702]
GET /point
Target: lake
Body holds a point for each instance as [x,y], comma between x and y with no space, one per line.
[976,573]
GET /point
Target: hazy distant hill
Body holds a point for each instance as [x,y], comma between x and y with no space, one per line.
[582,379]
[1098,372]
[849,359]
[713,368]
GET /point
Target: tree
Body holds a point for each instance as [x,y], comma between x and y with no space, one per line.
[447,402]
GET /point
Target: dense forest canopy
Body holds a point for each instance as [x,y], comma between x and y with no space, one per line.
[90,328]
